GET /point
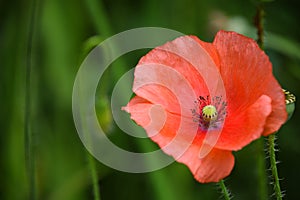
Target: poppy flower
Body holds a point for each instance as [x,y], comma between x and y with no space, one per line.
[200,101]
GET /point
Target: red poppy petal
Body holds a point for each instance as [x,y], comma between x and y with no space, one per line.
[203,57]
[170,131]
[278,115]
[183,69]
[173,91]
[138,108]
[247,74]
[215,166]
[241,129]
[210,49]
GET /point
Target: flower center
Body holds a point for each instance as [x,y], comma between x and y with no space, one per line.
[209,113]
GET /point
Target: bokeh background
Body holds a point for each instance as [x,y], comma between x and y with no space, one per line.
[63,33]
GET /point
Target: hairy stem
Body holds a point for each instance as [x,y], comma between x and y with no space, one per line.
[225,191]
[277,189]
[259,22]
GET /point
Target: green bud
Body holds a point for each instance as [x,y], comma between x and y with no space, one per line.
[290,100]
[290,109]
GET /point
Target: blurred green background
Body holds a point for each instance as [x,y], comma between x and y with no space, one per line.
[60,35]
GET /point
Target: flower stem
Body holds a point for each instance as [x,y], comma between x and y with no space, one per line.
[273,166]
[261,165]
[92,168]
[225,191]
[28,134]
[259,23]
[259,18]
[99,17]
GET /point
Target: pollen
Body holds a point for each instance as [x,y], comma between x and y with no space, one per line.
[209,113]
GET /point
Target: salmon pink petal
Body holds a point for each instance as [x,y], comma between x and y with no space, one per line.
[138,108]
[247,74]
[173,91]
[215,166]
[242,128]
[170,131]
